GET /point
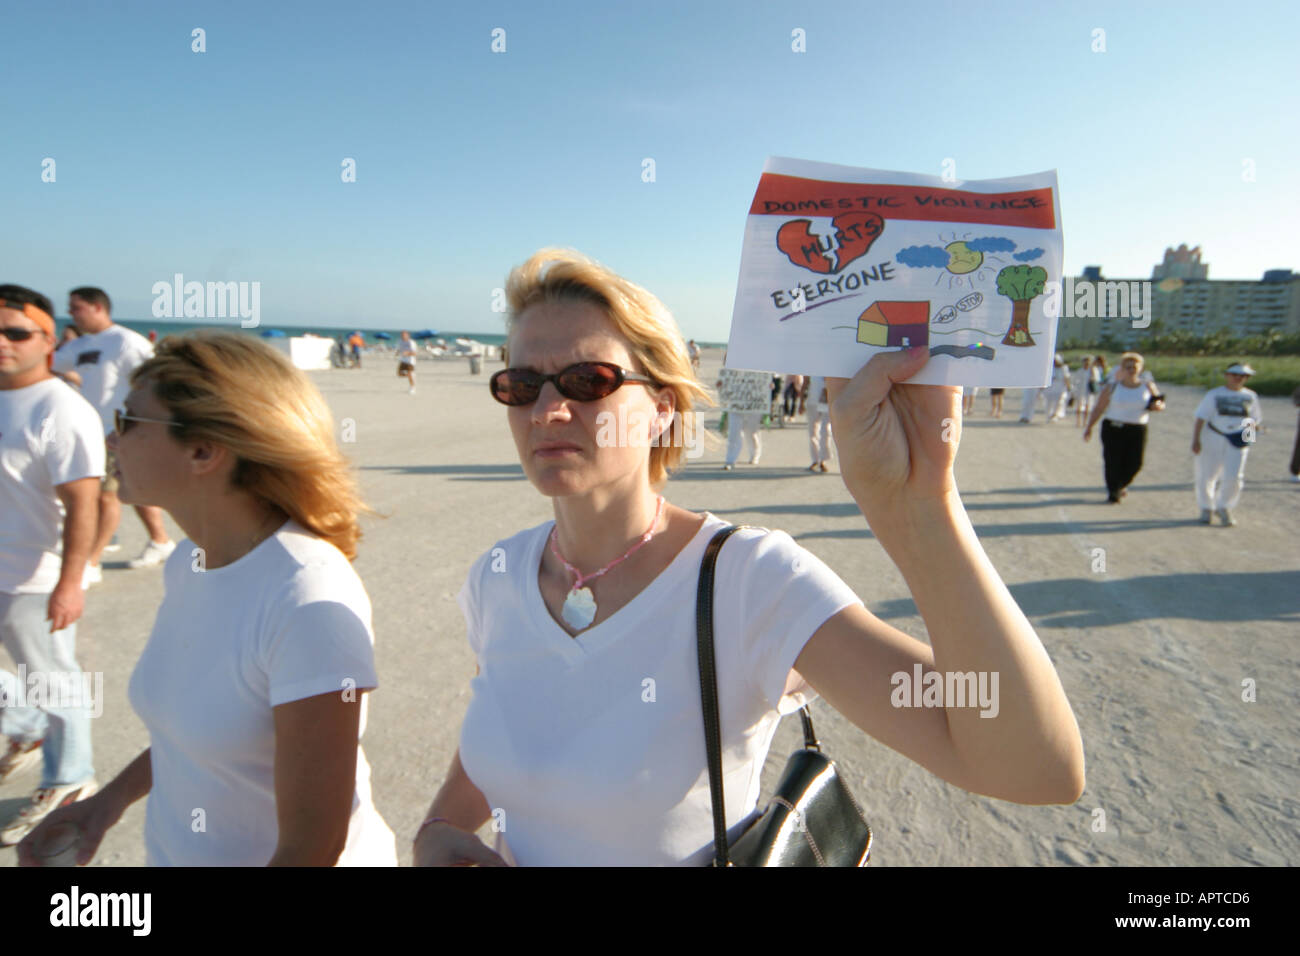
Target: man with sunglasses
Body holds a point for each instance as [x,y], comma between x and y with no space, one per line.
[104,356]
[51,462]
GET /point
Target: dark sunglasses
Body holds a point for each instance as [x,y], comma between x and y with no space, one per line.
[582,382]
[19,335]
[119,417]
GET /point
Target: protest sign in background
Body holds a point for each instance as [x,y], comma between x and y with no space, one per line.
[745,391]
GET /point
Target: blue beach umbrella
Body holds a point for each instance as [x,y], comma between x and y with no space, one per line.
[382,335]
[273,334]
[424,334]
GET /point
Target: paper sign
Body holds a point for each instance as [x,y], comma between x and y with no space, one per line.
[841,263]
[741,390]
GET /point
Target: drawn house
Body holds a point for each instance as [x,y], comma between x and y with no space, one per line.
[903,324]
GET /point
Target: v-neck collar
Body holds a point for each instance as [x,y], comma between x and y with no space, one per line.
[575,648]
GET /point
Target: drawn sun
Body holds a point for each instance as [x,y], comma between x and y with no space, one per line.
[962,259]
[967,266]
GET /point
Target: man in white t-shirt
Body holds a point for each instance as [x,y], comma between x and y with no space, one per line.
[1231,414]
[51,462]
[104,356]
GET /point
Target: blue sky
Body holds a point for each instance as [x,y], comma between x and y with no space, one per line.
[225,165]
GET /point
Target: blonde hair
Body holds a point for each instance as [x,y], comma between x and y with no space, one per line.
[1133,355]
[235,391]
[563,275]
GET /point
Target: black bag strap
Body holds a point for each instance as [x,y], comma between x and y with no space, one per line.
[709,694]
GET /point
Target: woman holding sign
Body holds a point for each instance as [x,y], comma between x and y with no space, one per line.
[583,740]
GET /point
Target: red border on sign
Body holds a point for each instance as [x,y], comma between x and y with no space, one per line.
[780,195]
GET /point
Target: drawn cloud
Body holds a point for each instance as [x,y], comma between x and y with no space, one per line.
[923,257]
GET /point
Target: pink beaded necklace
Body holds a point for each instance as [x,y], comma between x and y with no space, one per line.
[579,605]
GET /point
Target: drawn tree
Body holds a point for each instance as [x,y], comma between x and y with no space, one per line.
[1021,284]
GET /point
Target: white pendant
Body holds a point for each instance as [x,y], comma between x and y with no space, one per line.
[579,608]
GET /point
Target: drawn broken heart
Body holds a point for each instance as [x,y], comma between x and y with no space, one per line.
[854,234]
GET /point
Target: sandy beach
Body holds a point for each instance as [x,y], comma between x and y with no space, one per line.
[1153,650]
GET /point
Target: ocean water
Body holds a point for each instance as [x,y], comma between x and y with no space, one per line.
[164,327]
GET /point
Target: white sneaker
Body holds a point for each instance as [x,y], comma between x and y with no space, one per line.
[18,758]
[92,575]
[153,555]
[113,545]
[1226,517]
[44,802]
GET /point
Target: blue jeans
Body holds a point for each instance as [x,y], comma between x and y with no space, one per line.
[52,699]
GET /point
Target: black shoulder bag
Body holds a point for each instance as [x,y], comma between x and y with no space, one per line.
[812,819]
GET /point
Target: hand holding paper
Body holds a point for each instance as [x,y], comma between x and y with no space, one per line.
[897,443]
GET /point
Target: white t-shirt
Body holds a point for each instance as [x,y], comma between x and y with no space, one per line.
[49,436]
[1227,410]
[815,387]
[105,362]
[593,746]
[1129,405]
[406,352]
[287,621]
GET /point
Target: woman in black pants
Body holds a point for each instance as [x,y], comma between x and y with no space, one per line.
[1124,404]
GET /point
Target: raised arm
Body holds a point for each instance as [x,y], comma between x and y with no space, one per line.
[1023,744]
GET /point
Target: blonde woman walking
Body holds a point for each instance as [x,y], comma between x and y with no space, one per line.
[252,685]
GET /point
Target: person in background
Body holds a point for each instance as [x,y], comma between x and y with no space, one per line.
[1231,413]
[819,424]
[104,355]
[694,351]
[1100,373]
[1295,452]
[968,395]
[253,682]
[742,426]
[1059,390]
[995,401]
[406,360]
[1124,407]
[793,388]
[51,463]
[1029,398]
[357,343]
[1084,390]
